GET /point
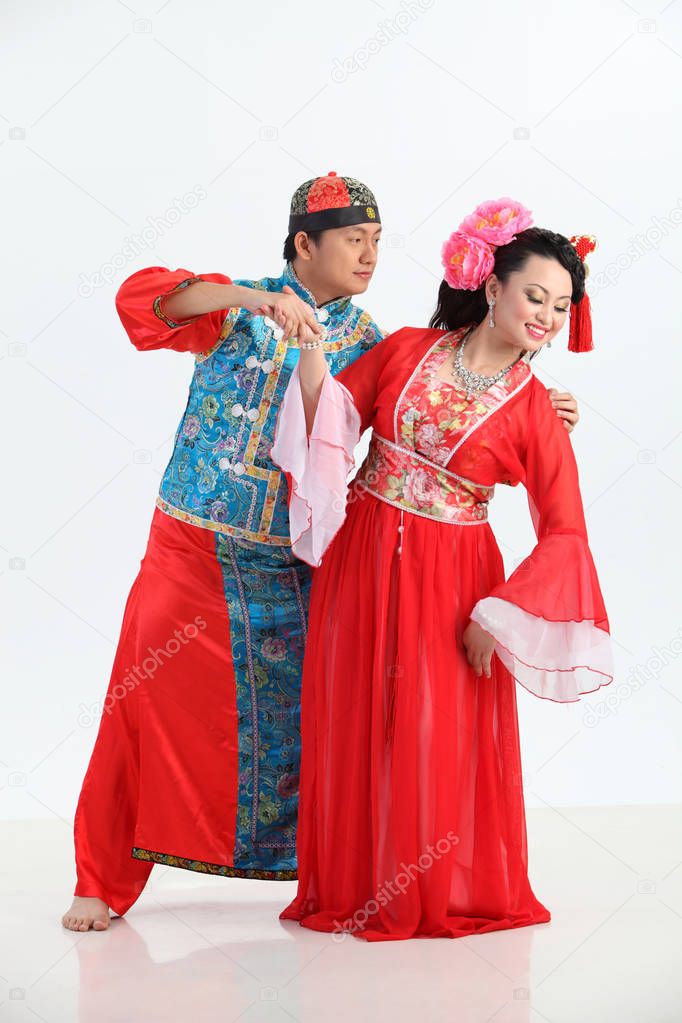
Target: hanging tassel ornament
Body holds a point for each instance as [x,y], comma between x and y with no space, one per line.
[580,327]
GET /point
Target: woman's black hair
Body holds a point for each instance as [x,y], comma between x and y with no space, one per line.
[289,253]
[458,308]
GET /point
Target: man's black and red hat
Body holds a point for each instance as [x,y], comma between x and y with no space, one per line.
[331,201]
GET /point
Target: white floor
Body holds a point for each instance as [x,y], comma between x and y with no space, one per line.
[197,949]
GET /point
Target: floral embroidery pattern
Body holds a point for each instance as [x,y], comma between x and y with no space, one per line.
[393,474]
[356,193]
[327,193]
[434,415]
[432,419]
[267,592]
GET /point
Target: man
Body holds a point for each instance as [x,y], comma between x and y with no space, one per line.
[197,756]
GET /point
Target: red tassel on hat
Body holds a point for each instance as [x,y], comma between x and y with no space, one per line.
[580,327]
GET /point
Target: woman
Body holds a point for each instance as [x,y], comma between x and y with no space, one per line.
[411,817]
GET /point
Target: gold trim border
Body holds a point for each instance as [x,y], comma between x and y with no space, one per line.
[200,867]
[221,527]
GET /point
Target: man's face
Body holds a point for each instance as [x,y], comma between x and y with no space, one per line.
[343,261]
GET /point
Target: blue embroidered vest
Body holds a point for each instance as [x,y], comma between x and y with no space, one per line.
[220,475]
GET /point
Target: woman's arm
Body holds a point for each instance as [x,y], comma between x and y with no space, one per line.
[319,424]
[312,370]
[547,623]
[312,365]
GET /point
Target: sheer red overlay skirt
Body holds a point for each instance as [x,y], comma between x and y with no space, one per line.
[411,813]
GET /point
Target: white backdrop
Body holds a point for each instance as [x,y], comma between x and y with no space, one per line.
[116,119]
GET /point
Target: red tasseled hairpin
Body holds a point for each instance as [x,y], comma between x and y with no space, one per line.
[580,327]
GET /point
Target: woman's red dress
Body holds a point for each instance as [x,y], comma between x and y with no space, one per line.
[411,814]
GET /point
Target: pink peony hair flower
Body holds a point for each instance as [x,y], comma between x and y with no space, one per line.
[468,261]
[497,221]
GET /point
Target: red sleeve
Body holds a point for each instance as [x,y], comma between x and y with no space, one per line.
[363,377]
[139,303]
[548,619]
[544,583]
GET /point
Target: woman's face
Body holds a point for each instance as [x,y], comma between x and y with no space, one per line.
[532,306]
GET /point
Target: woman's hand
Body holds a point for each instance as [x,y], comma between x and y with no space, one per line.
[479,646]
[295,317]
[566,407]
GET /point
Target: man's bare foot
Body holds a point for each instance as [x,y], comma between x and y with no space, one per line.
[86,913]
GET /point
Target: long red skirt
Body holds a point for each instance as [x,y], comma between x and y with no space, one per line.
[411,812]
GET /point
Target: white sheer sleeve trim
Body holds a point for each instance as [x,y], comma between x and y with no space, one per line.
[557,661]
[316,467]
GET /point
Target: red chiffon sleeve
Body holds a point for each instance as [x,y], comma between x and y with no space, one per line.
[317,466]
[363,377]
[548,619]
[139,303]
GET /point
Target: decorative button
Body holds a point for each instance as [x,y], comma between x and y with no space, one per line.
[278,333]
[224,464]
[251,362]
[322,315]
[237,410]
[238,468]
[267,366]
[252,414]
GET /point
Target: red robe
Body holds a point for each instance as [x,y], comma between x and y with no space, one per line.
[411,813]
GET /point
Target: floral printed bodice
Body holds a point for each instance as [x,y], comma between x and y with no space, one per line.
[434,416]
[432,419]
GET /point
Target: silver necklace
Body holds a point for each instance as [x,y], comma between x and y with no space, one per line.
[474,383]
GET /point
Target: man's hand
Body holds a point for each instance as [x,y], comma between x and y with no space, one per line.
[295,317]
[479,646]
[566,407]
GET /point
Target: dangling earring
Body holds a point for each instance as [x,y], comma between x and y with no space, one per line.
[548,345]
[491,306]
